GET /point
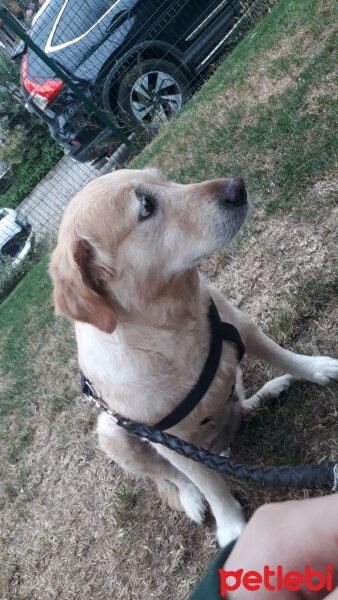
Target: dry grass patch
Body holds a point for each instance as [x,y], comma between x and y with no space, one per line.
[4,383]
[313,104]
[80,527]
[271,263]
[283,274]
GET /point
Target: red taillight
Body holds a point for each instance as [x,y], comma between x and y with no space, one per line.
[43,90]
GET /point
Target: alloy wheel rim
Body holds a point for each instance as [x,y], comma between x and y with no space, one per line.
[155,97]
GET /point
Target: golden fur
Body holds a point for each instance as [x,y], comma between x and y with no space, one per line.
[128,279]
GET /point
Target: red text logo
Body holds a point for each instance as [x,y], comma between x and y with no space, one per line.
[277,580]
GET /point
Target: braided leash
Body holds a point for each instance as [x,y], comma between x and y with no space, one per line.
[324,476]
[304,476]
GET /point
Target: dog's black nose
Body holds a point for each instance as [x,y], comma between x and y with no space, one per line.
[235,192]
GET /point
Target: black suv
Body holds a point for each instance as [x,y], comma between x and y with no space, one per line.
[136,59]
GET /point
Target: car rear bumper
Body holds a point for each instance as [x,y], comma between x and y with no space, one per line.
[82,144]
[83,152]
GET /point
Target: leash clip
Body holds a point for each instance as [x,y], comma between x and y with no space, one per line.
[95,397]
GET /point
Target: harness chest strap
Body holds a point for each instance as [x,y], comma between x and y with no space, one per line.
[219,332]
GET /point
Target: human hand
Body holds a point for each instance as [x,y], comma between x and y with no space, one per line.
[299,536]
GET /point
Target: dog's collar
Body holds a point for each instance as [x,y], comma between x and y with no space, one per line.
[219,331]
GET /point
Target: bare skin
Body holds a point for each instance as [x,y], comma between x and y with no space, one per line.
[292,534]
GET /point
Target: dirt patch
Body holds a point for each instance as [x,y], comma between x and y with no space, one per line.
[55,364]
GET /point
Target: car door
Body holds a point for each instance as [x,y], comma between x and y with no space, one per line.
[190,21]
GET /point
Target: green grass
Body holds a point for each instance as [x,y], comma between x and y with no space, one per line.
[27,321]
[302,145]
[24,317]
[25,313]
[123,505]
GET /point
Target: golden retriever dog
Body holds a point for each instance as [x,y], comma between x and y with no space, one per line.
[125,271]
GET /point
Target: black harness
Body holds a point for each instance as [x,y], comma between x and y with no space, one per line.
[324,475]
[219,332]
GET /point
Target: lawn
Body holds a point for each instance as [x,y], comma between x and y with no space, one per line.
[73,524]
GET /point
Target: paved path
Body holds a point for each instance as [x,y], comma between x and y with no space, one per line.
[45,205]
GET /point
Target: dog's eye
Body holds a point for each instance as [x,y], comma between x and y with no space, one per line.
[147,207]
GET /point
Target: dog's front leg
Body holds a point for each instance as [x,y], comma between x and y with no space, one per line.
[317,369]
[139,457]
[227,511]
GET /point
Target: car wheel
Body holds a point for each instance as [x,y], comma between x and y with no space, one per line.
[152,92]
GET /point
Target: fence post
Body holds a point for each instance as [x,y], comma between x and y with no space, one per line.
[18,30]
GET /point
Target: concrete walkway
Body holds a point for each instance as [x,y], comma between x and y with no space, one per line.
[45,205]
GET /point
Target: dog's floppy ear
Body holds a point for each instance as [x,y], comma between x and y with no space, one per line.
[79,293]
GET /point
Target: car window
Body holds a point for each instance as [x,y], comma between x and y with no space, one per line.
[13,246]
[77,18]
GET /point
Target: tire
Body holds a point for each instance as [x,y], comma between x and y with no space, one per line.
[152,92]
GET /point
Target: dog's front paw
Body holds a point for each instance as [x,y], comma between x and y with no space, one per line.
[318,369]
[230,531]
[275,387]
[272,389]
[193,502]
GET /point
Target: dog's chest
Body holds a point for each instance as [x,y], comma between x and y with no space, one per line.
[146,375]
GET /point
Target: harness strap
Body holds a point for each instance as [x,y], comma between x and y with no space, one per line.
[219,331]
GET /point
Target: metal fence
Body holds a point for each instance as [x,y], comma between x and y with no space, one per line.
[85,83]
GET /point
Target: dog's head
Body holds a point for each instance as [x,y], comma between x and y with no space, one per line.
[127,234]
